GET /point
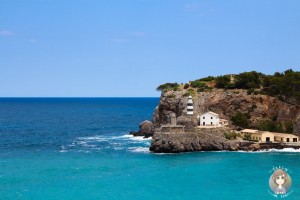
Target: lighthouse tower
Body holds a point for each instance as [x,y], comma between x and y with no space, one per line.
[190,107]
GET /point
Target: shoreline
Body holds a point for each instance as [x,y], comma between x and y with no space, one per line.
[208,140]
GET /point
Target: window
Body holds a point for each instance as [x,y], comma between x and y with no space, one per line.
[203,117]
[211,117]
[211,123]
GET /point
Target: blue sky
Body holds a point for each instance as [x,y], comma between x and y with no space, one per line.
[94,48]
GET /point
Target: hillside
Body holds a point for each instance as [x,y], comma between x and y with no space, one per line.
[247,100]
[284,86]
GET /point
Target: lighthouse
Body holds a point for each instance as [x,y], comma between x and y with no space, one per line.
[190,107]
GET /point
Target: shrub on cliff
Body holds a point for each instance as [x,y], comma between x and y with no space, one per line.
[245,80]
[285,84]
[200,85]
[207,79]
[274,126]
[241,119]
[223,82]
[168,86]
[190,92]
[247,137]
[231,135]
[288,127]
[248,80]
[268,125]
[186,86]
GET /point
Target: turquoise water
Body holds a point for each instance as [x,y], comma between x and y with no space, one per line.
[79,149]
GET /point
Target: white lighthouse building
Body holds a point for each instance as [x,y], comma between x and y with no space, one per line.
[190,107]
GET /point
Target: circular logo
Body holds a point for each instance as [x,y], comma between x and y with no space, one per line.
[280,183]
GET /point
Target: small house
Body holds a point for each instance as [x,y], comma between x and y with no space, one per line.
[209,119]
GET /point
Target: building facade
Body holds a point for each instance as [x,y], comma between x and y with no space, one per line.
[209,119]
[266,136]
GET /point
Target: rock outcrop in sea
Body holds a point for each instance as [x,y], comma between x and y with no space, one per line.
[146,129]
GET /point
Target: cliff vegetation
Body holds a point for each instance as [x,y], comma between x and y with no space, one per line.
[284,86]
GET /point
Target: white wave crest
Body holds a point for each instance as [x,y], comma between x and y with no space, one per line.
[289,150]
[95,138]
[113,142]
[141,138]
[139,149]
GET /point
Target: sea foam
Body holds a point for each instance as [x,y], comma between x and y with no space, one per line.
[139,149]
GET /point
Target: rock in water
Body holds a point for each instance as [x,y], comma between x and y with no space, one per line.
[146,129]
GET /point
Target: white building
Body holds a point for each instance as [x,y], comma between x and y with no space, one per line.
[190,107]
[209,119]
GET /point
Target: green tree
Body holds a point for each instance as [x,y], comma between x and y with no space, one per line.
[241,119]
[248,80]
[186,86]
[223,82]
[168,86]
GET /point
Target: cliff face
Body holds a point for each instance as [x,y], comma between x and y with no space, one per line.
[227,103]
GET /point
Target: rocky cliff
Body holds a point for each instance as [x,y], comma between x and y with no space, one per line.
[227,103]
[224,102]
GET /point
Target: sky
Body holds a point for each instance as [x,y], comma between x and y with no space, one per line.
[126,48]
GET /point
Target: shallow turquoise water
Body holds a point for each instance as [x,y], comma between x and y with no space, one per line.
[78,149]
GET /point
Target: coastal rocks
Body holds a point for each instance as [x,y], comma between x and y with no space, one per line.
[231,145]
[204,140]
[170,102]
[254,147]
[146,129]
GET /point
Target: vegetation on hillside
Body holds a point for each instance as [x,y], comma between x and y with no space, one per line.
[241,120]
[231,135]
[284,85]
[168,86]
[274,126]
[189,92]
[281,85]
[200,85]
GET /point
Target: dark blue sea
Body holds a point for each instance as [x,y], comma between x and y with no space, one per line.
[79,148]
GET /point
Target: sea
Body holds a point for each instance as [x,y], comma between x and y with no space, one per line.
[80,148]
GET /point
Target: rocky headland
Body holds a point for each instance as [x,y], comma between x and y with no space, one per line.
[259,108]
